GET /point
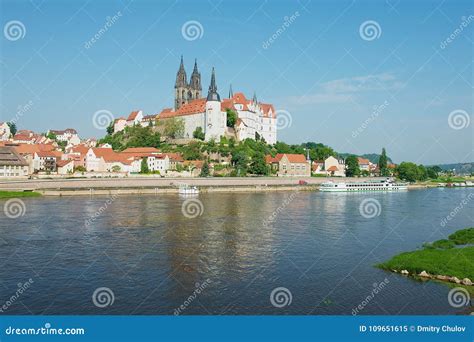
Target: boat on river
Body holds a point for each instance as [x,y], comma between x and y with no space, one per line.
[188,190]
[375,185]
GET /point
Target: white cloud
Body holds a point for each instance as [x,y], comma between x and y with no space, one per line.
[342,90]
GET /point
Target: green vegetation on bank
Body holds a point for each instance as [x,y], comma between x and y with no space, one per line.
[440,257]
[17,194]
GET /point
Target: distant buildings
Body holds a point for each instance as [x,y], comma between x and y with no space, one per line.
[4,131]
[12,164]
[335,167]
[68,136]
[289,165]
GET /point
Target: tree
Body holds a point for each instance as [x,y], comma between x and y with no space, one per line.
[199,133]
[352,166]
[433,171]
[12,127]
[205,170]
[231,117]
[51,136]
[407,171]
[383,164]
[110,128]
[174,128]
[258,166]
[240,161]
[144,166]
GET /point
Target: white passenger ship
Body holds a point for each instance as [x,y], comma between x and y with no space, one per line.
[380,185]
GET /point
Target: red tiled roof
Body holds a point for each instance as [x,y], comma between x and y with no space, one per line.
[332,168]
[174,156]
[133,115]
[61,163]
[363,161]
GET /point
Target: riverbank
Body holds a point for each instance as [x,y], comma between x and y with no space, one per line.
[443,260]
[17,194]
[155,185]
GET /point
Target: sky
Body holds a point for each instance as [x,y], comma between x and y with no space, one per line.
[355,75]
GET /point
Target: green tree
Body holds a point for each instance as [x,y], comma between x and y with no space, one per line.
[240,162]
[51,136]
[352,166]
[199,133]
[231,117]
[110,128]
[407,171]
[383,164]
[422,174]
[174,128]
[433,171]
[205,170]
[12,127]
[144,166]
[258,166]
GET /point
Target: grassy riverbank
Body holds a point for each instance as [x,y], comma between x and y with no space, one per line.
[450,257]
[18,194]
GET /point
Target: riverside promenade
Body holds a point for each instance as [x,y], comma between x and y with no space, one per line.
[85,186]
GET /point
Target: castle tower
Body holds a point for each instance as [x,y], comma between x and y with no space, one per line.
[215,118]
[181,87]
[195,83]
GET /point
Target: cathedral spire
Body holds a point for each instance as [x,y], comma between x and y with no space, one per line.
[181,80]
[212,95]
[231,92]
[254,100]
[195,81]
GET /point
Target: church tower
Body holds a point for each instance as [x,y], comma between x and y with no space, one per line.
[180,87]
[215,118]
[195,83]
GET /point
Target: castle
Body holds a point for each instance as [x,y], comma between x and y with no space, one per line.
[254,119]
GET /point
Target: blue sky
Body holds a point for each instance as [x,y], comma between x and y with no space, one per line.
[320,69]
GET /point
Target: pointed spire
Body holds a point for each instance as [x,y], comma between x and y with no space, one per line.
[212,95]
[254,100]
[195,81]
[195,70]
[181,76]
[231,92]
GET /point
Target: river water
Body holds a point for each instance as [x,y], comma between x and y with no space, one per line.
[153,257]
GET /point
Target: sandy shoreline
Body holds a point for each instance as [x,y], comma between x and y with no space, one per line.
[155,185]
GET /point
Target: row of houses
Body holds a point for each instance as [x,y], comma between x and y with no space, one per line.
[297,165]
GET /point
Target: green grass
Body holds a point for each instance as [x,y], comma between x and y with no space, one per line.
[455,262]
[439,257]
[463,237]
[17,194]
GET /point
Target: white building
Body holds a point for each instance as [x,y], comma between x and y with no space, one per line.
[4,131]
[69,135]
[335,167]
[12,164]
[253,118]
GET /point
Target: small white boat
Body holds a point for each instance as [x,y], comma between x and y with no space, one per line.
[378,185]
[188,190]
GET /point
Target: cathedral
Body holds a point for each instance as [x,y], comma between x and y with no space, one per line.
[186,92]
[254,119]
